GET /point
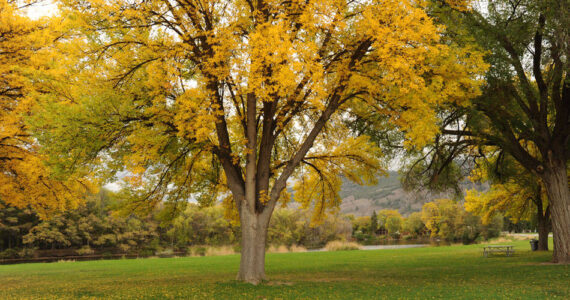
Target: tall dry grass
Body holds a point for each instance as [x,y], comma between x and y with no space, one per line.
[228,250]
[296,248]
[342,246]
[221,250]
[277,249]
[285,249]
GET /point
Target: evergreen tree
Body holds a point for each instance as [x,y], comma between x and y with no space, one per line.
[373,223]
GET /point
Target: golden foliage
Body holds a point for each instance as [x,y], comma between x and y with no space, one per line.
[514,196]
[161,87]
[24,179]
[441,216]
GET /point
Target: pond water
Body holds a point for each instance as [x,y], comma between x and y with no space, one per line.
[400,244]
[425,242]
[380,247]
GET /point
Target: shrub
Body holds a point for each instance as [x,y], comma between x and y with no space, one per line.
[165,253]
[85,250]
[342,246]
[9,253]
[199,251]
[27,253]
[217,251]
[395,235]
[469,238]
[493,229]
[297,248]
[146,252]
[278,249]
[367,239]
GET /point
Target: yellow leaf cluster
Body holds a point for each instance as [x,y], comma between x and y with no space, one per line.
[24,179]
[514,195]
[318,182]
[441,216]
[172,82]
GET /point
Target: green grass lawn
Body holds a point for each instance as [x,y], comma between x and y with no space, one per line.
[439,272]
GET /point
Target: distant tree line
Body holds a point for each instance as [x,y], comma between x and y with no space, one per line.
[100,226]
[442,219]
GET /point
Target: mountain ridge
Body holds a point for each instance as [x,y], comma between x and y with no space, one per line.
[389,193]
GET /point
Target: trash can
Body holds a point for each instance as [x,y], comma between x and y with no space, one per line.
[534,244]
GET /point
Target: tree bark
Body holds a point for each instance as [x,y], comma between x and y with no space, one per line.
[556,182]
[543,230]
[543,218]
[253,237]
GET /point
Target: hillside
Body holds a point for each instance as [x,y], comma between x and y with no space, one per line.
[387,194]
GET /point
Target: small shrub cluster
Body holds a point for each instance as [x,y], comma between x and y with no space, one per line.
[85,250]
[12,253]
[342,246]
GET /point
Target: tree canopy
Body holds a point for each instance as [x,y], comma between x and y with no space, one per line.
[234,98]
[24,179]
[514,192]
[524,109]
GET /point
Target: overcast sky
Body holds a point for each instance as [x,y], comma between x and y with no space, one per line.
[41,9]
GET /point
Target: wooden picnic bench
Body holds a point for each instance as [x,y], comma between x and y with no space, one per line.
[508,249]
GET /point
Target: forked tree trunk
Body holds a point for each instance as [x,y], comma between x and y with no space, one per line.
[253,195]
[253,237]
[253,226]
[556,182]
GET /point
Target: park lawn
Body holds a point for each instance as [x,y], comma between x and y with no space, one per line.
[459,272]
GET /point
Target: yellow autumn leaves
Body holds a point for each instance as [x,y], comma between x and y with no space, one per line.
[24,179]
[149,85]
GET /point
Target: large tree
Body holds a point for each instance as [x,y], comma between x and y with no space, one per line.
[525,106]
[218,98]
[526,102]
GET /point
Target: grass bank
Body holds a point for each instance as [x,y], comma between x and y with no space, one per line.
[441,272]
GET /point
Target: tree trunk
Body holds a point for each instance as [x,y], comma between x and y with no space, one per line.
[543,230]
[556,182]
[253,237]
[543,218]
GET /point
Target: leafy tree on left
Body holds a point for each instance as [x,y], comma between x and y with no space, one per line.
[24,180]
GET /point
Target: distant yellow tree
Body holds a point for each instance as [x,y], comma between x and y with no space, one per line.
[414,225]
[442,217]
[394,224]
[24,180]
[389,214]
[431,217]
[236,98]
[362,223]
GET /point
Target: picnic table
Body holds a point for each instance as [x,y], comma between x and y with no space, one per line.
[508,249]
